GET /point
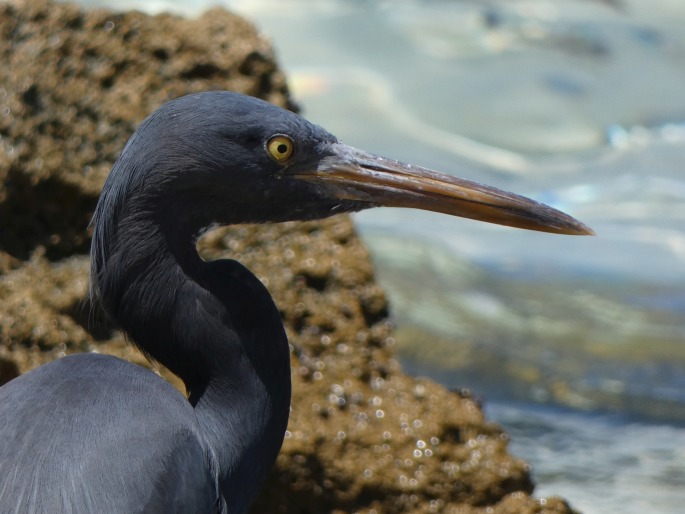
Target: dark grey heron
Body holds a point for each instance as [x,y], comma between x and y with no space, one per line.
[92,433]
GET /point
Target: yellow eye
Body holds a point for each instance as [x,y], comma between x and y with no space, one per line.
[280,148]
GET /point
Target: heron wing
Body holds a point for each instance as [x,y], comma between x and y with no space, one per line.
[92,433]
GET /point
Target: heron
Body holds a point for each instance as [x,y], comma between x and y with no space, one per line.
[94,433]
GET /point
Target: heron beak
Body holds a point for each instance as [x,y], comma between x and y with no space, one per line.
[353,174]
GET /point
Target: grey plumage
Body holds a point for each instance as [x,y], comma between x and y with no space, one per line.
[91,433]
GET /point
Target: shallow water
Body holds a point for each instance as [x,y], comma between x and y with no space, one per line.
[601,463]
[577,103]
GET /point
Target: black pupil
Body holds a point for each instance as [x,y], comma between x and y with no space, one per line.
[282,148]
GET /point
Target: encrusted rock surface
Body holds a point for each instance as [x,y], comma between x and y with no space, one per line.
[363,437]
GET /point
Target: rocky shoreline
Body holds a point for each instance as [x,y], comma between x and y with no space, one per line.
[363,437]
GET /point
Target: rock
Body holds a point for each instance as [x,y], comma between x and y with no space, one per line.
[363,436]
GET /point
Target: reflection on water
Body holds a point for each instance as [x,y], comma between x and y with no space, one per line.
[578,103]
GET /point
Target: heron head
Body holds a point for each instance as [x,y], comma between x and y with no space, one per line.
[222,157]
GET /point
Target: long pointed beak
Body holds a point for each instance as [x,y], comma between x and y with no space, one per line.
[353,174]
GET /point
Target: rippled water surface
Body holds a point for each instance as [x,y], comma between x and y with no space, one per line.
[577,103]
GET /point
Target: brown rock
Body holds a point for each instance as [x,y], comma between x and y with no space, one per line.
[363,436]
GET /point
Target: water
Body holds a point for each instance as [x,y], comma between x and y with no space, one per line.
[601,463]
[577,103]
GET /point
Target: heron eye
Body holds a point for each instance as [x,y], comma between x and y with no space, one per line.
[280,148]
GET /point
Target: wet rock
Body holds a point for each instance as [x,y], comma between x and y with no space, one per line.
[363,436]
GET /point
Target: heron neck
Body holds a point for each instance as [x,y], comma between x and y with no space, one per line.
[254,380]
[215,326]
